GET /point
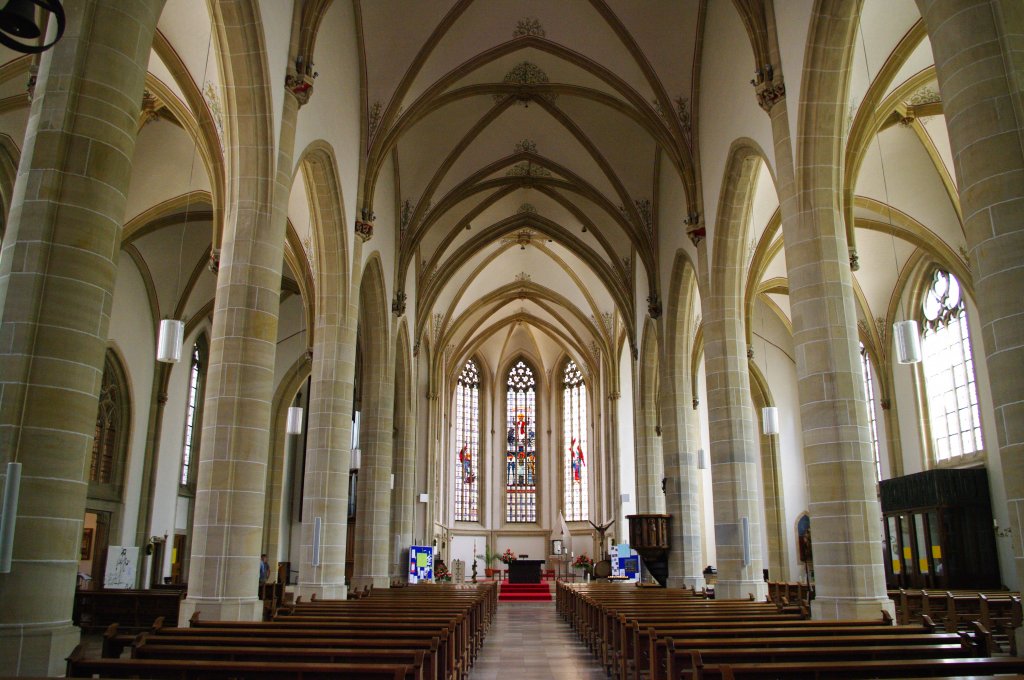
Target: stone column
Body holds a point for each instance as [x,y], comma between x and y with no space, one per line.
[404,468]
[735,480]
[57,273]
[682,497]
[328,453]
[979,60]
[231,486]
[373,490]
[842,491]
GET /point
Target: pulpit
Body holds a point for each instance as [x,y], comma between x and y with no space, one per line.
[524,571]
[649,536]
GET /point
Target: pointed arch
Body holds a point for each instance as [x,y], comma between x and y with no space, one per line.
[521,427]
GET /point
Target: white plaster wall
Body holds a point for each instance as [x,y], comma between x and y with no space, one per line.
[773,352]
[131,334]
[725,76]
[333,112]
[275,16]
[627,451]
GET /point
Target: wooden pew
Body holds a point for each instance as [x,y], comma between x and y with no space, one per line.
[191,669]
[415,659]
[132,610]
[890,668]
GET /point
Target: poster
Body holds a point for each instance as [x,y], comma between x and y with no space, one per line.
[122,562]
[421,563]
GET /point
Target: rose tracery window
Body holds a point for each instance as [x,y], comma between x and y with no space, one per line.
[954,417]
[574,435]
[521,452]
[467,443]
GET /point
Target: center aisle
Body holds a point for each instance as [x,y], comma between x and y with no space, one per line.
[529,640]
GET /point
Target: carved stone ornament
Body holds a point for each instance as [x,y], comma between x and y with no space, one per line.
[697,235]
[364,225]
[854,260]
[769,94]
[696,403]
[214,264]
[654,305]
[300,87]
[398,304]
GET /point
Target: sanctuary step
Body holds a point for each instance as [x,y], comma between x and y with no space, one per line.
[524,592]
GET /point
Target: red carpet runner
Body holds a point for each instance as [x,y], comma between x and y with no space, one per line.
[524,592]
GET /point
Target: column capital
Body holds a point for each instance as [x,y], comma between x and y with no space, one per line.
[769,90]
[364,224]
[300,87]
[398,306]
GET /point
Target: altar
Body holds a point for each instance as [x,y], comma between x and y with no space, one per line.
[524,571]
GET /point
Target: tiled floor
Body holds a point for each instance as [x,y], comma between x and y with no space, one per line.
[531,640]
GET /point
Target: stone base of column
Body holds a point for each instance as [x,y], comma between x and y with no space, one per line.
[28,650]
[856,608]
[323,592]
[220,609]
[741,590]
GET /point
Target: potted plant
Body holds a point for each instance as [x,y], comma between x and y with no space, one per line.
[488,557]
[583,562]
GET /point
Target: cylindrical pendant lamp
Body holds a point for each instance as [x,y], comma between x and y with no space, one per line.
[908,341]
[355,460]
[294,424]
[770,420]
[702,459]
[169,340]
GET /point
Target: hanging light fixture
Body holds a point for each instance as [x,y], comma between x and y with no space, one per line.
[168,344]
[171,334]
[702,460]
[770,420]
[294,424]
[908,341]
[18,20]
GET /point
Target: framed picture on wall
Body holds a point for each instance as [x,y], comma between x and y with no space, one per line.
[556,546]
[86,552]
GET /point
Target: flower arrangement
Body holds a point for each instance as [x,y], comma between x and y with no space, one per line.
[441,573]
[583,562]
[508,556]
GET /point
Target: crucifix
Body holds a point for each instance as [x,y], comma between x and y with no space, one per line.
[601,531]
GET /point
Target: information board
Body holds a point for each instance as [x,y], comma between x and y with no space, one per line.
[421,563]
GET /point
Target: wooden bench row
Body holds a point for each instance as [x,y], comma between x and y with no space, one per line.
[729,644]
[998,612]
[133,610]
[417,633]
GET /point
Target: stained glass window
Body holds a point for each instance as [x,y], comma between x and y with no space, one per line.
[869,390]
[191,439]
[467,443]
[949,370]
[574,436]
[521,453]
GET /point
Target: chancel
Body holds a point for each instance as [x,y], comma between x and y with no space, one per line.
[374,287]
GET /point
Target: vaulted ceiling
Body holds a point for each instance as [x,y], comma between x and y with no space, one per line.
[525,141]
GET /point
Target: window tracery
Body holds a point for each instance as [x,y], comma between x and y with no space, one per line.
[954,417]
[574,435]
[467,443]
[521,452]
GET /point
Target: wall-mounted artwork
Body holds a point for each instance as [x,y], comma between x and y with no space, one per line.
[86,551]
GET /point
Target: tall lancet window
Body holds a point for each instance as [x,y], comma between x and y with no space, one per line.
[467,443]
[193,407]
[949,370]
[574,436]
[869,391]
[521,454]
